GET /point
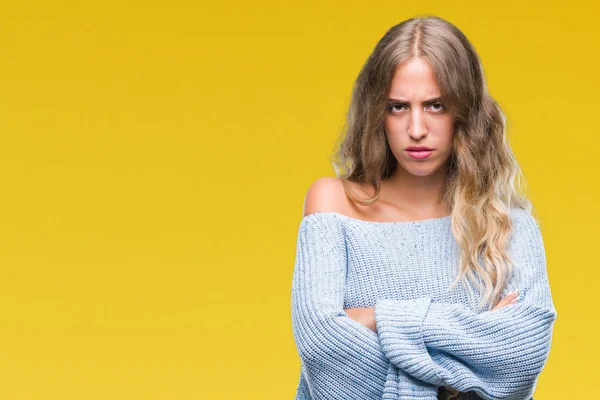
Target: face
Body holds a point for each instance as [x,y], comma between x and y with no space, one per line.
[417,117]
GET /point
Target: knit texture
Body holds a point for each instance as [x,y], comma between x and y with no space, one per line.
[427,335]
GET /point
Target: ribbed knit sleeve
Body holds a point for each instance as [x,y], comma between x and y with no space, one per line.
[497,354]
[341,358]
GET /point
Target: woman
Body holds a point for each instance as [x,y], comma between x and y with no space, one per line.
[409,263]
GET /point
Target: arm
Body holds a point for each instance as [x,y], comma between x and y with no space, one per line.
[498,354]
[341,358]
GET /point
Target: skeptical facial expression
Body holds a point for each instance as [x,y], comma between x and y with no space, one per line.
[416,117]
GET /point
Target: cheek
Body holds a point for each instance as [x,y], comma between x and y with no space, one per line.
[392,136]
[450,125]
[445,125]
[393,129]
[445,131]
[387,125]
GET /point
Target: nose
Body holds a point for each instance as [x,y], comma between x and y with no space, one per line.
[417,127]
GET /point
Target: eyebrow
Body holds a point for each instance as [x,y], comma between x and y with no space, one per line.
[406,102]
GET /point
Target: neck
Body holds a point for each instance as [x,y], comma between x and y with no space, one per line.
[415,192]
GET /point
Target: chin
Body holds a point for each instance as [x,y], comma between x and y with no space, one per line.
[421,173]
[421,170]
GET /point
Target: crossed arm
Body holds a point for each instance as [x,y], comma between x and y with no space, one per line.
[498,354]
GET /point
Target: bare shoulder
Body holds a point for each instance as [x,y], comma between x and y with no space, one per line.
[326,194]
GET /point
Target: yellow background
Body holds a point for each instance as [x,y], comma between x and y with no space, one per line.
[155,157]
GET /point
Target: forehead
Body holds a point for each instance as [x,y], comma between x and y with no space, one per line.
[414,79]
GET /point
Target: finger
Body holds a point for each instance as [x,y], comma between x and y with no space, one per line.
[501,303]
[506,300]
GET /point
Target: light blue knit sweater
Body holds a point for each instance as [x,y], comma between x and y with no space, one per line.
[427,336]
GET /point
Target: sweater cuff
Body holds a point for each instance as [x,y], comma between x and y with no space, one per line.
[399,327]
[401,386]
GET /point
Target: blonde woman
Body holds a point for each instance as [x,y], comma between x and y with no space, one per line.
[420,271]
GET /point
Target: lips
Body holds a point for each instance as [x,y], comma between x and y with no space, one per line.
[419,152]
[418,148]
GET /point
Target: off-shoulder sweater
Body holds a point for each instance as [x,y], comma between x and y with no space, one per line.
[427,335]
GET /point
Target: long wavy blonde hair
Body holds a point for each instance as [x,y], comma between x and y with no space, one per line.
[483,174]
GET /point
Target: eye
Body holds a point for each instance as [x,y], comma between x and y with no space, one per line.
[439,107]
[395,107]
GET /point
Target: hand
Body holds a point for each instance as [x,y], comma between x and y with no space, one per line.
[509,299]
[365,316]
[447,393]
